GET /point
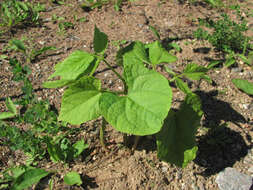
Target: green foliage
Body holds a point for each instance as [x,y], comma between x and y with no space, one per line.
[226,35]
[192,71]
[92,4]
[22,177]
[85,96]
[65,25]
[244,85]
[143,105]
[30,53]
[215,3]
[176,141]
[15,13]
[72,178]
[41,136]
[61,149]
[12,110]
[18,139]
[100,41]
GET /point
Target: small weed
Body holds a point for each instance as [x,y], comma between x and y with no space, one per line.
[43,133]
[14,13]
[227,36]
[30,53]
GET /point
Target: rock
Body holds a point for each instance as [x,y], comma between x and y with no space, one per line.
[250,169]
[231,179]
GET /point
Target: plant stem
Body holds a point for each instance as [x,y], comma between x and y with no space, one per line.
[118,75]
[113,70]
[177,76]
[95,67]
[101,134]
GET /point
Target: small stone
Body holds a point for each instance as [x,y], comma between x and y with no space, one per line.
[41,42]
[245,106]
[247,160]
[236,70]
[231,179]
[250,169]
[164,169]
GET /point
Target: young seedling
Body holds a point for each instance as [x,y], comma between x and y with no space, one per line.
[143,105]
[15,13]
[228,37]
[29,53]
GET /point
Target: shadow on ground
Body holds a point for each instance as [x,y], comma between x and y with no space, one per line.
[221,147]
[216,110]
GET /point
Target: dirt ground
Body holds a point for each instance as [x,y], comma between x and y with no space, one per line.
[225,138]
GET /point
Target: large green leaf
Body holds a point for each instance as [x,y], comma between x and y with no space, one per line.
[157,54]
[143,109]
[135,53]
[176,141]
[71,68]
[28,178]
[244,85]
[100,41]
[72,178]
[80,101]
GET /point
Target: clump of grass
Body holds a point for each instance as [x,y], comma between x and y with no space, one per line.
[17,13]
[226,35]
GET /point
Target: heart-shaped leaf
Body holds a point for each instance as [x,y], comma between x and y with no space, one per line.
[176,141]
[70,69]
[135,53]
[80,101]
[157,54]
[143,109]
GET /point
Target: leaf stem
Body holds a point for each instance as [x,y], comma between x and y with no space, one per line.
[95,67]
[118,75]
[177,76]
[101,133]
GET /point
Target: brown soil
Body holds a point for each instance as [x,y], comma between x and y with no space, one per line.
[117,168]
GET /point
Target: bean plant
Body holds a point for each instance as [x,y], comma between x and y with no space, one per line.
[143,107]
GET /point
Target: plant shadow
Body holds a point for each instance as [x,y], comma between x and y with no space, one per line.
[216,110]
[204,50]
[221,147]
[89,182]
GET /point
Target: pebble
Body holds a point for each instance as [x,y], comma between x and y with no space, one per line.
[231,179]
[164,169]
[236,70]
[247,160]
[250,169]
